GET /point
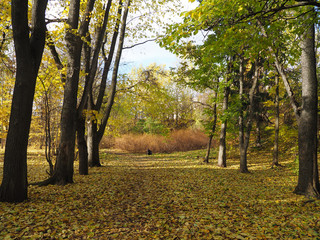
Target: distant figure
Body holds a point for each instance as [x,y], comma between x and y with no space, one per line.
[149,152]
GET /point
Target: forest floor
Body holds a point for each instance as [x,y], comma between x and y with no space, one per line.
[164,196]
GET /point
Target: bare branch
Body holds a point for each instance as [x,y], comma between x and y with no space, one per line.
[137,44]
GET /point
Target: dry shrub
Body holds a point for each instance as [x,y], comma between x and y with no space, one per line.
[178,140]
[107,141]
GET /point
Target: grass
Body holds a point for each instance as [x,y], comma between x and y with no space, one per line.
[165,196]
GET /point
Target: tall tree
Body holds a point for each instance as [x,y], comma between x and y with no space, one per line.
[306,113]
[28,48]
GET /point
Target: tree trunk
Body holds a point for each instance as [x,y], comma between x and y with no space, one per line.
[276,127]
[222,156]
[93,144]
[82,146]
[63,172]
[242,147]
[95,152]
[206,159]
[64,163]
[308,181]
[214,124]
[98,133]
[258,132]
[245,129]
[28,51]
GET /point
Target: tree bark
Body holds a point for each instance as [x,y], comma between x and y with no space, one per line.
[28,58]
[308,181]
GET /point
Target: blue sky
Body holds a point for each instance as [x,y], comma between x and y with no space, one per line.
[151,52]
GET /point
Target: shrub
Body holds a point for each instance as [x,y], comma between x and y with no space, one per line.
[178,140]
[107,141]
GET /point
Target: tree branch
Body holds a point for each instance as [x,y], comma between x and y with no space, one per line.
[137,44]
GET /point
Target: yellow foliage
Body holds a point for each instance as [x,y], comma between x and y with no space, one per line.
[164,196]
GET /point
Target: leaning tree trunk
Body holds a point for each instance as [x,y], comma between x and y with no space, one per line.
[206,158]
[214,124]
[308,181]
[28,49]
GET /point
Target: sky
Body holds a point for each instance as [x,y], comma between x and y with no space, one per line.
[151,52]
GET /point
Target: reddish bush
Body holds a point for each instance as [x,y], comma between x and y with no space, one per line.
[179,140]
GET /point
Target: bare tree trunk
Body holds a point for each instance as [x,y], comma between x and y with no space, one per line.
[28,49]
[308,181]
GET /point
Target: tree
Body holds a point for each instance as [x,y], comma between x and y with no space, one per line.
[274,24]
[96,134]
[63,170]
[245,128]
[306,114]
[28,49]
[95,130]
[308,181]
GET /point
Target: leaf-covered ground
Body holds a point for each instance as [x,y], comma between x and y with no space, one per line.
[164,196]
